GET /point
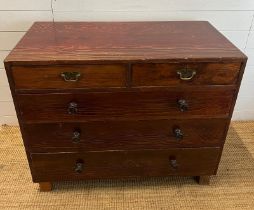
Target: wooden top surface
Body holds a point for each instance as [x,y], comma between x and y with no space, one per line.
[84,42]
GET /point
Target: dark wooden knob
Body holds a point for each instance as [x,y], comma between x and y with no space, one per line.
[183,105]
[79,166]
[73,108]
[76,136]
[178,133]
[173,163]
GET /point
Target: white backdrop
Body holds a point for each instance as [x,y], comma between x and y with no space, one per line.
[233,18]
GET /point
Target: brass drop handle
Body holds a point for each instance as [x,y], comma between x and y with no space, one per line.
[186,74]
[70,76]
[173,163]
[183,105]
[79,166]
[178,134]
[76,136]
[73,108]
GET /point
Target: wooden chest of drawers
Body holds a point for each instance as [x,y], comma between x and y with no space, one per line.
[123,100]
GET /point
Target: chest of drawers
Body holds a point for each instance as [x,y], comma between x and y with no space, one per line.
[123,99]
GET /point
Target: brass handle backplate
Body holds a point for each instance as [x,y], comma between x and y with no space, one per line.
[70,76]
[186,74]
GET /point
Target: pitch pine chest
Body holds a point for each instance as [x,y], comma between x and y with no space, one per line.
[124,99]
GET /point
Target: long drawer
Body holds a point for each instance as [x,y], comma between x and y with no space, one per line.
[125,135]
[123,164]
[166,104]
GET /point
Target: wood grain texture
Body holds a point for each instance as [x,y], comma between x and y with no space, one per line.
[166,74]
[125,116]
[84,42]
[125,135]
[124,164]
[49,77]
[36,108]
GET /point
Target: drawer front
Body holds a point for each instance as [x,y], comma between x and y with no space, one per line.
[125,105]
[61,77]
[185,74]
[123,164]
[125,135]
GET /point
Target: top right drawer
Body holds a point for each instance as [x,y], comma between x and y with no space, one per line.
[169,74]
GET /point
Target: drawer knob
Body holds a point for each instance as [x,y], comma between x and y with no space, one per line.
[76,136]
[173,163]
[183,105]
[178,134]
[186,74]
[73,108]
[70,76]
[79,166]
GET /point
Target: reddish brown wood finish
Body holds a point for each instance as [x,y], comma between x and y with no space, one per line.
[166,74]
[92,76]
[125,105]
[119,164]
[45,186]
[125,135]
[84,42]
[126,98]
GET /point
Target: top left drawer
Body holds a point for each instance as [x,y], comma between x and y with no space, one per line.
[67,77]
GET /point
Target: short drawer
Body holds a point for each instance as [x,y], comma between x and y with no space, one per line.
[64,77]
[167,104]
[185,74]
[123,164]
[125,135]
